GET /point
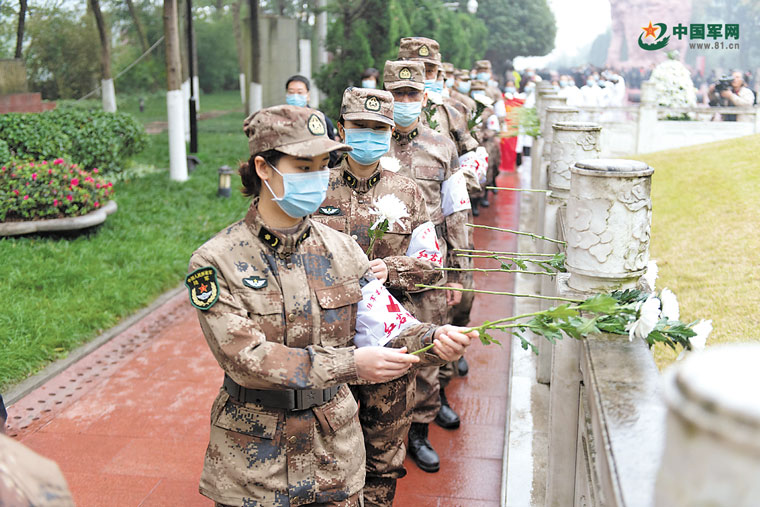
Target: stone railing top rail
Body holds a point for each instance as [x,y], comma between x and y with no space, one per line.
[690,109]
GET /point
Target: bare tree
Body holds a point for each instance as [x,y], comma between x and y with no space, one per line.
[109,96]
[20,31]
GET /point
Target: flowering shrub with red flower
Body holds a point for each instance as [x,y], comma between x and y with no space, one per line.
[50,189]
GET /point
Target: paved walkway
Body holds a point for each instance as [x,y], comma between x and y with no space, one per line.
[128,424]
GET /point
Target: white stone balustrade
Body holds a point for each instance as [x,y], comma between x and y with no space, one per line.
[571,142]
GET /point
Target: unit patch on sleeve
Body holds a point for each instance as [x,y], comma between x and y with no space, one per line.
[203,287]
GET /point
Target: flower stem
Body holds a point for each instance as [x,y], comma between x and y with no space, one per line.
[519,189]
[535,236]
[495,270]
[551,298]
[502,253]
[423,349]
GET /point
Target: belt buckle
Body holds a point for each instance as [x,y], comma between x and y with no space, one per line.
[307,398]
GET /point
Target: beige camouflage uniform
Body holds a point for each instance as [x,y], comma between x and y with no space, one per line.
[27,479]
[280,320]
[385,410]
[430,159]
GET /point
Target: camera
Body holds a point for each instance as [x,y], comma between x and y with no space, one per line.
[724,83]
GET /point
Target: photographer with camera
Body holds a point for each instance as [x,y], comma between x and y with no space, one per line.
[730,91]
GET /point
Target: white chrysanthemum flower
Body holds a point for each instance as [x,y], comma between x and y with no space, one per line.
[390,164]
[703,328]
[435,97]
[651,274]
[649,315]
[483,99]
[673,85]
[389,207]
[669,301]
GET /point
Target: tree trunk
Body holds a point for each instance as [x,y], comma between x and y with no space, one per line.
[254,96]
[238,33]
[20,32]
[107,90]
[175,104]
[138,26]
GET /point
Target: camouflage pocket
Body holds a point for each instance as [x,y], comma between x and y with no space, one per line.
[248,421]
[336,302]
[334,414]
[266,309]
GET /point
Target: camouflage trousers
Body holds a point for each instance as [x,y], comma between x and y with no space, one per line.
[385,414]
[493,148]
[427,400]
[355,500]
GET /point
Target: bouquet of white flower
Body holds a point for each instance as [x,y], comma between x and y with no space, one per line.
[673,85]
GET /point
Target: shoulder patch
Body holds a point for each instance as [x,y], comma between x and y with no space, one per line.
[255,282]
[203,287]
[329,210]
[315,125]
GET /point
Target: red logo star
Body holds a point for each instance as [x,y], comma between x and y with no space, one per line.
[203,287]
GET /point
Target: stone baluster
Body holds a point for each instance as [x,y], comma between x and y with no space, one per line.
[609,214]
[571,141]
[646,124]
[606,225]
[712,429]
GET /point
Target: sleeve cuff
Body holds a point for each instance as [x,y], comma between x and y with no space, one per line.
[345,366]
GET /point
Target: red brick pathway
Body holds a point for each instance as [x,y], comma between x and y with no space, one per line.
[128,424]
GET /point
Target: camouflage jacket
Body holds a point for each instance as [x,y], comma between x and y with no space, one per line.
[279,311]
[450,122]
[467,104]
[410,250]
[26,478]
[431,160]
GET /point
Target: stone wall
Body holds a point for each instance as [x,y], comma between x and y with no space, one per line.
[12,76]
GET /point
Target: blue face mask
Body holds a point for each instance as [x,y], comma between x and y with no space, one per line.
[483,76]
[368,144]
[295,99]
[369,83]
[450,82]
[478,93]
[510,89]
[303,192]
[404,113]
[433,85]
[562,84]
[464,87]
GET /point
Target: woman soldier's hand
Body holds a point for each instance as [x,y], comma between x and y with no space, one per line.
[382,364]
[449,341]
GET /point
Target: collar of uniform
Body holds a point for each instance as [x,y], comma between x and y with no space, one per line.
[282,244]
[360,185]
[405,138]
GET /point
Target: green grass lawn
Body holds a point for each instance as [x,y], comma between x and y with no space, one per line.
[155,104]
[706,235]
[65,291]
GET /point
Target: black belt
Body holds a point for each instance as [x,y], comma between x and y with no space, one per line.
[289,399]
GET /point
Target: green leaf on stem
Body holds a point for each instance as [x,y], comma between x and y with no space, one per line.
[600,303]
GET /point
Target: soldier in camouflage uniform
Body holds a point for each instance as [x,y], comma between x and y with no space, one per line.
[407,254]
[442,115]
[488,130]
[26,478]
[285,305]
[461,91]
[431,159]
[484,74]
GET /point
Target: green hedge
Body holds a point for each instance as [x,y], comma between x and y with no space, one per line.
[90,138]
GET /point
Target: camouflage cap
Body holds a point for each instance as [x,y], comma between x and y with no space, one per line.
[448,68]
[400,74]
[462,75]
[367,104]
[293,130]
[478,85]
[483,66]
[421,49]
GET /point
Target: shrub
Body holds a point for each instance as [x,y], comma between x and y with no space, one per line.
[44,190]
[90,138]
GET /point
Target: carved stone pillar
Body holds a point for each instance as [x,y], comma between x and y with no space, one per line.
[609,215]
[571,142]
[712,444]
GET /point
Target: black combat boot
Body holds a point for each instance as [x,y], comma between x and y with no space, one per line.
[462,367]
[420,449]
[446,417]
[474,206]
[484,200]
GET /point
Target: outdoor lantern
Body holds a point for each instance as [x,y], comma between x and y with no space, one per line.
[225,174]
